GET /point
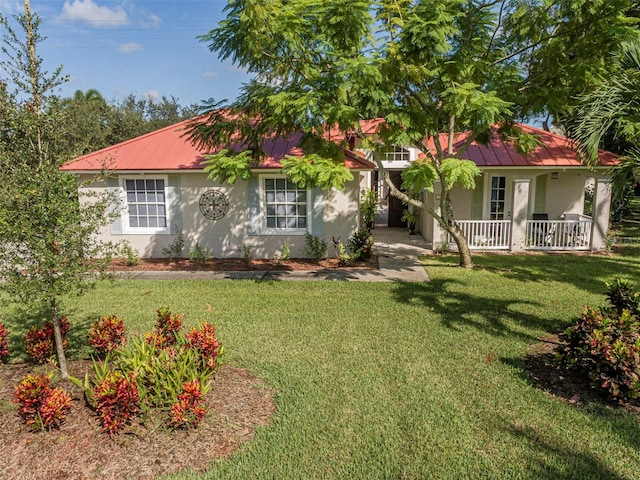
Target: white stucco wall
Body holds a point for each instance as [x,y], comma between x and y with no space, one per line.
[461,201]
[566,193]
[225,236]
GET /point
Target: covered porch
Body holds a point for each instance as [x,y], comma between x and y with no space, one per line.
[571,233]
[513,226]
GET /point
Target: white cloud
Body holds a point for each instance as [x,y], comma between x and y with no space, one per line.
[8,7]
[90,12]
[129,47]
[209,75]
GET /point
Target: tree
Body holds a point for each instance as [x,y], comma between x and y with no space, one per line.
[93,123]
[48,245]
[430,70]
[132,117]
[609,117]
[88,121]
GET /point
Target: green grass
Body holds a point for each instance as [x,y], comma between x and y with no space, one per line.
[402,380]
[629,228]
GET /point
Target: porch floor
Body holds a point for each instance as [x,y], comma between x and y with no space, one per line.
[396,242]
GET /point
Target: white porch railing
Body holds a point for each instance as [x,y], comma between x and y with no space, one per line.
[485,234]
[559,234]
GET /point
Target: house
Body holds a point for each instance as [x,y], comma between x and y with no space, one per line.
[165,191]
[532,202]
[538,201]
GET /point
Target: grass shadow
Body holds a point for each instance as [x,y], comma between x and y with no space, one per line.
[587,271]
[487,314]
[540,370]
[24,319]
[557,460]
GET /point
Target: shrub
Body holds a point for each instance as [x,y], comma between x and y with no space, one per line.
[621,297]
[41,406]
[174,249]
[344,256]
[106,334]
[315,248]
[361,244]
[205,341]
[199,254]
[190,409]
[54,408]
[369,207]
[131,255]
[40,342]
[171,381]
[161,373]
[4,343]
[246,252]
[166,329]
[116,400]
[284,255]
[604,345]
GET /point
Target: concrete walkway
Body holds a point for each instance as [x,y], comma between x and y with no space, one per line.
[397,257]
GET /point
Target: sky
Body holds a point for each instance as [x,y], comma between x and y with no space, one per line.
[140,47]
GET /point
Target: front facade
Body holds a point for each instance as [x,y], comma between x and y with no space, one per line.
[164,192]
[547,200]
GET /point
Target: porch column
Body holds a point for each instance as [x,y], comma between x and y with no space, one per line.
[520,207]
[600,215]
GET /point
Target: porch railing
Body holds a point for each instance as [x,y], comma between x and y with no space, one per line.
[485,234]
[559,234]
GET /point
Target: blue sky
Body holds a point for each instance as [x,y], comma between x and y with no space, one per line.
[143,47]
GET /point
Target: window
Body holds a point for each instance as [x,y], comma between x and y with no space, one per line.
[146,204]
[285,205]
[498,195]
[393,154]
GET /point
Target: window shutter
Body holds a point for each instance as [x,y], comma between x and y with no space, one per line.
[317,212]
[254,226]
[113,188]
[174,206]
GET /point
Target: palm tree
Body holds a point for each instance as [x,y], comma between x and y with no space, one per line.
[610,115]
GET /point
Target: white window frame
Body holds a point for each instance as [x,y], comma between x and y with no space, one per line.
[263,209]
[506,213]
[126,228]
[394,154]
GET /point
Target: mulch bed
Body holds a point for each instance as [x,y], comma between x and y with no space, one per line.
[238,264]
[545,373]
[237,404]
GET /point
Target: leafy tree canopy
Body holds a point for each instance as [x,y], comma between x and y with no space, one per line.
[48,241]
[424,67]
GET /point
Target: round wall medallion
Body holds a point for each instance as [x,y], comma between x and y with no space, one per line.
[214,204]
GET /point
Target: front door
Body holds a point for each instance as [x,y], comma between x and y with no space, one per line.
[396,206]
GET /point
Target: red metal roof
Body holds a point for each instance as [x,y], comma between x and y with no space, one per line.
[554,151]
[168,149]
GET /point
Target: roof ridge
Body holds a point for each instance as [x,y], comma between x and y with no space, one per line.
[130,140]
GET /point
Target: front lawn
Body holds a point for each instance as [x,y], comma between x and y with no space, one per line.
[378,380]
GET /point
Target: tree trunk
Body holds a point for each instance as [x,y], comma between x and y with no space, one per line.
[445,220]
[450,225]
[32,63]
[462,244]
[57,335]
